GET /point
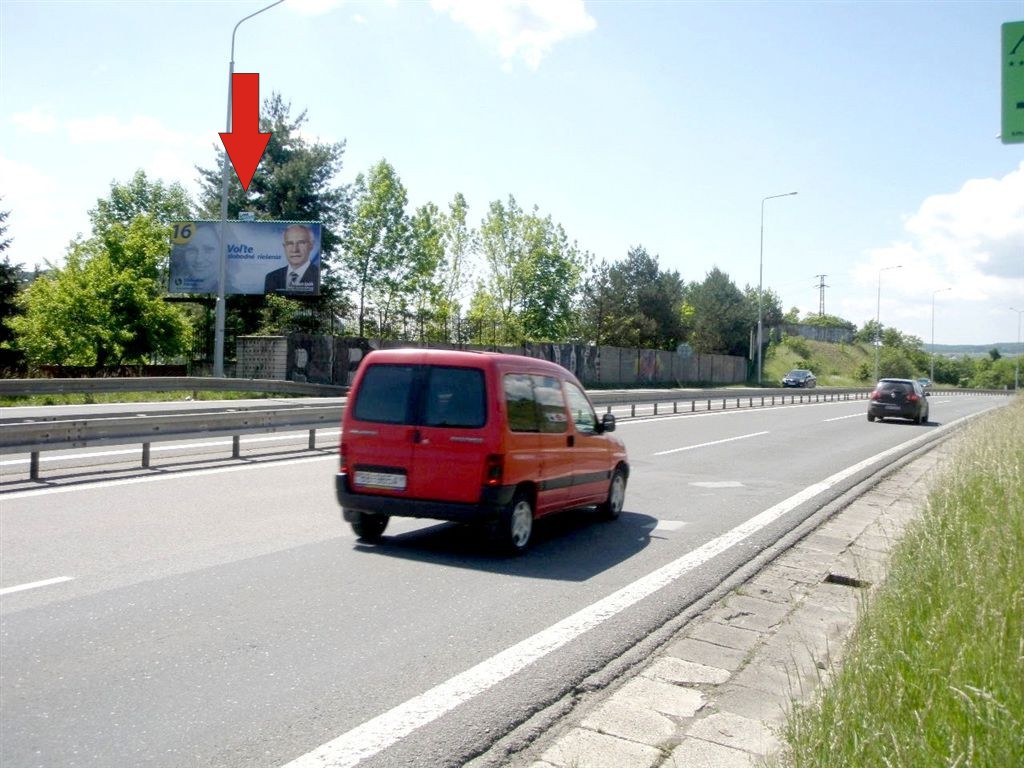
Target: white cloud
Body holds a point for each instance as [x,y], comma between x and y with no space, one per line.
[110,129]
[35,203]
[971,241]
[525,29]
[39,119]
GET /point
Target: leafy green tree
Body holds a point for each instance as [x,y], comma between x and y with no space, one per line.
[295,181]
[104,307]
[828,321]
[722,321]
[553,267]
[503,244]
[10,357]
[484,317]
[645,303]
[595,306]
[460,242]
[140,197]
[422,281]
[378,247]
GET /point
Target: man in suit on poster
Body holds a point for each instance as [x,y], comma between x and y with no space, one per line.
[301,275]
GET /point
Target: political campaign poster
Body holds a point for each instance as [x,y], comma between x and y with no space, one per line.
[262,257]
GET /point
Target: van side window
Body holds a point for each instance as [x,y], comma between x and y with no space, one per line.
[384,395]
[455,398]
[582,411]
[519,402]
[550,404]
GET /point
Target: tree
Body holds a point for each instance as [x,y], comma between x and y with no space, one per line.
[595,305]
[423,285]
[162,202]
[645,306]
[552,273]
[295,181]
[105,306]
[721,317]
[503,244]
[378,244]
[460,242]
[9,286]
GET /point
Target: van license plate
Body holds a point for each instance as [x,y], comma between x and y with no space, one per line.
[391,482]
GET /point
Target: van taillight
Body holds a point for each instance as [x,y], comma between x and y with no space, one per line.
[875,395]
[342,450]
[494,469]
[913,398]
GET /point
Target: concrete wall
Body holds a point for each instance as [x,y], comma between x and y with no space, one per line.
[333,360]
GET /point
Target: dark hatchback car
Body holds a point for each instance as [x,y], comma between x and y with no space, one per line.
[898,399]
[799,377]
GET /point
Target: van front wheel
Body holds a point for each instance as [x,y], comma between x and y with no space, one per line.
[369,527]
[515,525]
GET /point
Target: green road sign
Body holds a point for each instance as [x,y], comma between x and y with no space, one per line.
[1013,82]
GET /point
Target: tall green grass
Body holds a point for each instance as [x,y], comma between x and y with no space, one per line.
[934,675]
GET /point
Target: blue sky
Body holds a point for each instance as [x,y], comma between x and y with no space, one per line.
[662,124]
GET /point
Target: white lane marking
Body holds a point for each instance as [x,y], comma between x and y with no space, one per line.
[383,731]
[35,584]
[645,419]
[719,484]
[180,447]
[705,445]
[668,525]
[157,478]
[858,415]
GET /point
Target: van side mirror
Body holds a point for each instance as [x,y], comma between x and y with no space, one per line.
[608,423]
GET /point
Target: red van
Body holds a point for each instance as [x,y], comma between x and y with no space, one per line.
[475,437]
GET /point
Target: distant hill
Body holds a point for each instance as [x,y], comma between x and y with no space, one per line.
[1006,349]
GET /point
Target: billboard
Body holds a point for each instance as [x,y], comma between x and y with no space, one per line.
[262,257]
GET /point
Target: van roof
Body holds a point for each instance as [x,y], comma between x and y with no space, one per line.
[465,357]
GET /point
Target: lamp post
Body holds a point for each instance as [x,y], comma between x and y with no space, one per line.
[218,344]
[1016,370]
[760,280]
[931,370]
[878,316]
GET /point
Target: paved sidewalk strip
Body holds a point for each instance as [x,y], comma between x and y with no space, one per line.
[718,694]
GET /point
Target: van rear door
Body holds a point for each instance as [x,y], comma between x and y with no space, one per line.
[449,446]
[379,431]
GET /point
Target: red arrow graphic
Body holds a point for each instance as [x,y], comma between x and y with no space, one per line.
[245,144]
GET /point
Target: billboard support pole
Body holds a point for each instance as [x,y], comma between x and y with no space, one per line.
[218,348]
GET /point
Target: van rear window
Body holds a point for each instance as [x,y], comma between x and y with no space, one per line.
[455,398]
[422,395]
[384,395]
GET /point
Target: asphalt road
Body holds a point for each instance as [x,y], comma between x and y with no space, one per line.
[211,612]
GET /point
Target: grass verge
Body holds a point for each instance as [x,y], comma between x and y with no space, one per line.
[934,675]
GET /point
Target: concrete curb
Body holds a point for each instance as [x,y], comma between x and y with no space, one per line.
[718,693]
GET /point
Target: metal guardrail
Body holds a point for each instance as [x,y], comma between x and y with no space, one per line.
[28,387]
[34,435]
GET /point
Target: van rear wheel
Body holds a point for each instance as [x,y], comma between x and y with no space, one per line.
[515,525]
[369,527]
[612,507]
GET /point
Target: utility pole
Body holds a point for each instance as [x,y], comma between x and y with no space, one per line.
[821,294]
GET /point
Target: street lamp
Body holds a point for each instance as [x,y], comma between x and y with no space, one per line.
[1016,371]
[931,371]
[760,280]
[218,344]
[878,315]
